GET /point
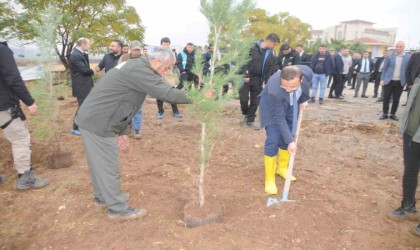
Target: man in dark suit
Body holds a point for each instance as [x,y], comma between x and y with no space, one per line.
[412,72]
[305,58]
[364,67]
[81,74]
[337,67]
[377,73]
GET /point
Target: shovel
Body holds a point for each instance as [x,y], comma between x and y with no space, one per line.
[285,198]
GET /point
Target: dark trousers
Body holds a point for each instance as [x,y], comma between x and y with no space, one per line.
[248,97]
[394,89]
[352,80]
[411,151]
[80,100]
[273,142]
[330,78]
[161,109]
[377,83]
[337,85]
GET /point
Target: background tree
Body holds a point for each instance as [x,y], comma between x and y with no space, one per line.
[99,20]
[336,44]
[357,47]
[226,21]
[289,28]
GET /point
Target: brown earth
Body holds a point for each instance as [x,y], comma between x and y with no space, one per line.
[349,170]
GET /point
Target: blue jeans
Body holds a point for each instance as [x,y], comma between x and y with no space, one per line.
[137,120]
[273,141]
[316,80]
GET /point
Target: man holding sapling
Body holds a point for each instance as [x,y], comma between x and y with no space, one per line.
[105,116]
[279,110]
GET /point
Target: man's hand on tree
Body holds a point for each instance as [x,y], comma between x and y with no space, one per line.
[209,93]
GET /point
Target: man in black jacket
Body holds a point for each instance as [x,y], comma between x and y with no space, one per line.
[287,56]
[377,75]
[81,74]
[12,119]
[413,68]
[111,59]
[260,67]
[304,58]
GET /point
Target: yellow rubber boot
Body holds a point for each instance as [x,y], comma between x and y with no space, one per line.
[283,164]
[270,174]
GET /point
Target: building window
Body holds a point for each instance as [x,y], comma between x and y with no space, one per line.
[340,35]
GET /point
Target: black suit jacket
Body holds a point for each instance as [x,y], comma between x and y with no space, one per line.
[413,68]
[305,59]
[81,74]
[358,65]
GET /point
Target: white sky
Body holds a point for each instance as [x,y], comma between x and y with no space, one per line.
[183,22]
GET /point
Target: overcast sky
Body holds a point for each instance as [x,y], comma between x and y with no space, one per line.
[182,21]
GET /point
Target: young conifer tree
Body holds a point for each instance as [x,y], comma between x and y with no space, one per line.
[227,20]
[43,91]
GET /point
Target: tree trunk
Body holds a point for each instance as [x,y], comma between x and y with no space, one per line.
[203,164]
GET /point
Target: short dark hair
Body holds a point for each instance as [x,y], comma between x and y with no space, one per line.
[291,72]
[365,51]
[190,44]
[126,45]
[332,50]
[145,49]
[284,47]
[322,46]
[119,42]
[273,37]
[165,40]
[299,46]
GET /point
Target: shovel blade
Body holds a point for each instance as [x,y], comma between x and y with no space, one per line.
[272,201]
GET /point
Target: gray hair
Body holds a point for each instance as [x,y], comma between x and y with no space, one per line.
[82,40]
[163,55]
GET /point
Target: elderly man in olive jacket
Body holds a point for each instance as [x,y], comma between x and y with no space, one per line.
[104,119]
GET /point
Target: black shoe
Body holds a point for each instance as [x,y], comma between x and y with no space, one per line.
[374,96]
[394,117]
[416,230]
[406,211]
[253,125]
[352,88]
[312,100]
[355,96]
[365,96]
[405,104]
[340,98]
[383,117]
[321,100]
[330,96]
[380,100]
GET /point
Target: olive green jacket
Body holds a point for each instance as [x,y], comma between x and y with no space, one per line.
[108,109]
[410,103]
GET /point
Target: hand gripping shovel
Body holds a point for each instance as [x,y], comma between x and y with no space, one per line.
[285,198]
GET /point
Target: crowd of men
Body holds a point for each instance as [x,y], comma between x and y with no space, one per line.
[281,82]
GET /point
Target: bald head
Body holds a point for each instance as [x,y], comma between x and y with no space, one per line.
[399,47]
[83,44]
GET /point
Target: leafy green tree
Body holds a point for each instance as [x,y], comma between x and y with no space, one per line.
[226,20]
[99,20]
[289,28]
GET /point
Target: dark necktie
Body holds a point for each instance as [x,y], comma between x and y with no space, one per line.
[295,114]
